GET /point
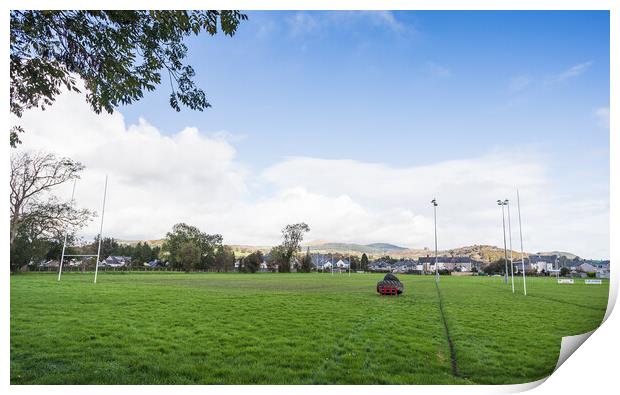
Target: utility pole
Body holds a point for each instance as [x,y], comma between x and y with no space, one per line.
[521,237]
[64,244]
[105,191]
[502,204]
[512,274]
[434,202]
[349,260]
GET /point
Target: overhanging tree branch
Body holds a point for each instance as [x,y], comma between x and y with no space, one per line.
[50,49]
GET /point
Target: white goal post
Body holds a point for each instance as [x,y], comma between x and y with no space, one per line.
[64,244]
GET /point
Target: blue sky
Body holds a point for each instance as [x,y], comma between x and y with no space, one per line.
[357,85]
[353,122]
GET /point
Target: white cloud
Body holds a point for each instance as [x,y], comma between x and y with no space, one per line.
[437,70]
[155,180]
[191,176]
[396,202]
[572,72]
[302,23]
[385,18]
[306,22]
[602,114]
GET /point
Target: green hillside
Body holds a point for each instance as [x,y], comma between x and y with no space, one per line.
[386,246]
[484,253]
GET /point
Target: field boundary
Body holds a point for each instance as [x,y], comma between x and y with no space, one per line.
[453,360]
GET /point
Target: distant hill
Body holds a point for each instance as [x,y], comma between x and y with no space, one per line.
[342,248]
[568,255]
[375,249]
[484,253]
[386,246]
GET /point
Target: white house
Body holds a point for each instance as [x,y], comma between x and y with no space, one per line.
[50,263]
[586,267]
[463,267]
[519,266]
[540,266]
[74,263]
[602,273]
[116,261]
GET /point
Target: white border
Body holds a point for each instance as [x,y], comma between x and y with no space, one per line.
[590,369]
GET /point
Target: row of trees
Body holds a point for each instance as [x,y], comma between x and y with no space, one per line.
[93,52]
[140,253]
[188,248]
[39,222]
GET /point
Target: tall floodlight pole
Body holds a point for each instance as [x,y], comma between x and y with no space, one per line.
[502,204]
[349,259]
[105,190]
[436,253]
[521,237]
[512,273]
[64,244]
[325,257]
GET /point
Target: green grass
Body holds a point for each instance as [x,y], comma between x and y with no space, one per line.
[163,328]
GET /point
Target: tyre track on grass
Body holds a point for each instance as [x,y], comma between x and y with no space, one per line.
[453,360]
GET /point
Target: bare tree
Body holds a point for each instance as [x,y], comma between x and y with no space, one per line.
[35,212]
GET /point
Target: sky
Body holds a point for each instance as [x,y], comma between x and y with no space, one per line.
[353,122]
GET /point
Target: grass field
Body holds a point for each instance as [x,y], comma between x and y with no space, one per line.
[164,328]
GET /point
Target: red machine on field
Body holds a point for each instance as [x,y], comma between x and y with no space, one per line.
[390,286]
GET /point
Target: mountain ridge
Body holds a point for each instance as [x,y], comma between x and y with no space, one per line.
[479,252]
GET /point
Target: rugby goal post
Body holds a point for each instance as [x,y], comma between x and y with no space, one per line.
[64,244]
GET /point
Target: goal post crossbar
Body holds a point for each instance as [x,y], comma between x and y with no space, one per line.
[64,245]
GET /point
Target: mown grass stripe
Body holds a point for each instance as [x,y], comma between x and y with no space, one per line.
[453,360]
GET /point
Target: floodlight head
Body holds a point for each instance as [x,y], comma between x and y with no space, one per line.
[434,201]
[499,202]
[506,201]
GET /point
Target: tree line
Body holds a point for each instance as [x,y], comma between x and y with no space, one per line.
[40,221]
[56,49]
[92,51]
